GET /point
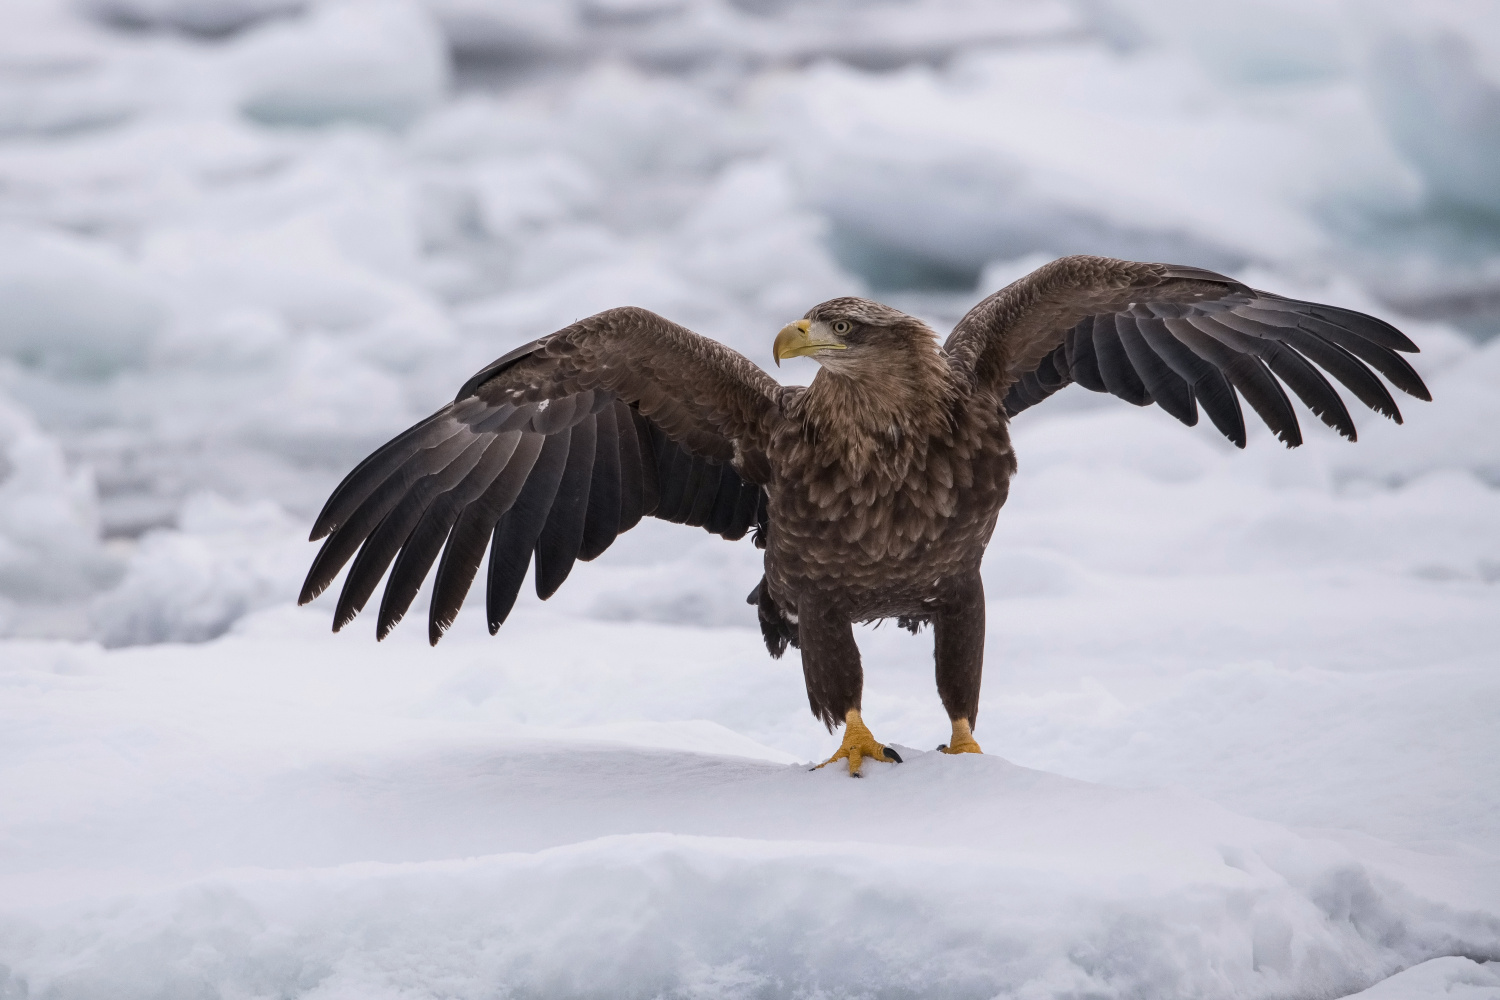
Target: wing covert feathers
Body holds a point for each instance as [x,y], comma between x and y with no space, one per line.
[1183,338]
[546,456]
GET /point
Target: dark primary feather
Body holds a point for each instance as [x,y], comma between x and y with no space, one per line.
[425,541]
[1183,338]
[1210,388]
[466,542]
[601,520]
[1246,374]
[376,470]
[395,528]
[1169,390]
[562,536]
[516,533]
[369,493]
[547,454]
[1119,374]
[675,471]
[1082,361]
[632,471]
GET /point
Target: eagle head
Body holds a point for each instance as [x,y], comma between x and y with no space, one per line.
[852,333]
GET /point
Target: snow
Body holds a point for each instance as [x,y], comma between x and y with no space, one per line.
[50,513]
[369,60]
[1454,977]
[192,583]
[501,837]
[198,17]
[1240,710]
[73,307]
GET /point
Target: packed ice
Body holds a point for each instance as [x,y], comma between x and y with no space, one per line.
[1240,716]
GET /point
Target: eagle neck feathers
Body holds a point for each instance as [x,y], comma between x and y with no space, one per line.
[865,431]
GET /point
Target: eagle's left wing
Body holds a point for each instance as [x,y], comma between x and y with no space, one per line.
[1179,337]
[551,451]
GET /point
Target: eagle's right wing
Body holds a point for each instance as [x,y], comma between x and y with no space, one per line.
[1179,337]
[554,449]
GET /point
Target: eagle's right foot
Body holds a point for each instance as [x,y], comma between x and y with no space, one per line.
[858,744]
[963,740]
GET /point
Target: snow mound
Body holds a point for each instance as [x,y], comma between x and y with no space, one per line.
[194,17]
[376,61]
[654,574]
[927,176]
[192,584]
[53,82]
[697,33]
[49,520]
[1246,44]
[1451,978]
[620,872]
[72,307]
[1444,112]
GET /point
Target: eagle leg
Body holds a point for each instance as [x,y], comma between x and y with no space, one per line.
[858,744]
[963,740]
[958,622]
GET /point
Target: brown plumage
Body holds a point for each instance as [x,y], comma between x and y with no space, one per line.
[874,490]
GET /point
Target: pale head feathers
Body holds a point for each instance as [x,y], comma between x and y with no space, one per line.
[863,311]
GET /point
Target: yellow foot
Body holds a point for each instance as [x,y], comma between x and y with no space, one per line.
[963,739]
[858,744]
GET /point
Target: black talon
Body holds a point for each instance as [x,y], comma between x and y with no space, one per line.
[892,755]
[856,774]
[942,746]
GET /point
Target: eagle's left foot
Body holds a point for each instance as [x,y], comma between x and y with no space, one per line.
[858,744]
[963,740]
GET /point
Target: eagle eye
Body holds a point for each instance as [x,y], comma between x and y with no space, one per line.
[842,326]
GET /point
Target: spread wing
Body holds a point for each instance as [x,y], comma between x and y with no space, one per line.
[1180,337]
[553,449]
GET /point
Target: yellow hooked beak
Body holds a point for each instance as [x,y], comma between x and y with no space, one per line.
[795,340]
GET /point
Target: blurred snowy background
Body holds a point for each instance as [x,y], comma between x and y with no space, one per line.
[242,242]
